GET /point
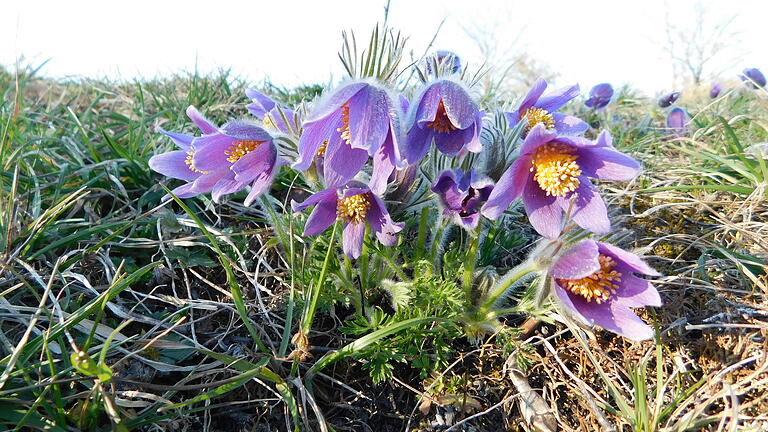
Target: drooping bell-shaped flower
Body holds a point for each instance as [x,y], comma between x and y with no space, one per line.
[595,282]
[445,113]
[668,99]
[357,120]
[462,195]
[552,176]
[536,109]
[356,206]
[678,121]
[599,96]
[271,113]
[715,90]
[753,77]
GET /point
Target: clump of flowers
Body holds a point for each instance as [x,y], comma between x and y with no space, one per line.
[391,165]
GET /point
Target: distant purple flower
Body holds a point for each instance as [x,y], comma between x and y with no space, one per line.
[355,204]
[268,111]
[462,194]
[594,281]
[443,57]
[753,77]
[443,112]
[678,121]
[600,96]
[554,170]
[537,109]
[715,90]
[357,120]
[668,99]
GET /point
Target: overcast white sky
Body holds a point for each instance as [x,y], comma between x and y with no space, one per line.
[294,42]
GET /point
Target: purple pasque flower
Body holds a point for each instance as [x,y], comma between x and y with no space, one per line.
[715,90]
[537,109]
[753,77]
[552,175]
[678,121]
[443,57]
[594,281]
[445,113]
[668,99]
[599,96]
[236,155]
[179,164]
[269,111]
[356,206]
[357,120]
[462,195]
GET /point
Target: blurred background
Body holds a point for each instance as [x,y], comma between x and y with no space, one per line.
[653,46]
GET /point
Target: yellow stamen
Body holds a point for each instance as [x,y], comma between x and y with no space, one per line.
[191,163]
[441,123]
[538,116]
[353,209]
[599,285]
[556,169]
[241,148]
[267,122]
[345,119]
[321,150]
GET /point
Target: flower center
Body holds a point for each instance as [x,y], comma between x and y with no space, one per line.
[353,209]
[345,119]
[538,116]
[599,285]
[556,170]
[441,123]
[322,149]
[241,148]
[191,163]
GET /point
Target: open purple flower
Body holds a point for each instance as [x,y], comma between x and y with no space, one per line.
[668,99]
[600,96]
[715,90]
[678,121]
[232,157]
[753,77]
[443,57]
[462,194]
[536,109]
[355,205]
[268,111]
[445,113]
[179,164]
[594,281]
[355,121]
[552,175]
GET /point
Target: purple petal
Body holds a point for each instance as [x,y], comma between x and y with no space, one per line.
[589,210]
[417,144]
[256,162]
[404,104]
[173,164]
[209,151]
[543,211]
[183,191]
[203,123]
[245,131]
[381,223]
[579,261]
[182,140]
[227,185]
[329,195]
[263,182]
[607,163]
[206,182]
[261,104]
[556,99]
[565,299]
[569,125]
[452,143]
[323,216]
[537,137]
[634,262]
[613,316]
[533,95]
[353,239]
[384,162]
[424,110]
[459,106]
[636,292]
[334,101]
[313,137]
[342,163]
[510,186]
[369,119]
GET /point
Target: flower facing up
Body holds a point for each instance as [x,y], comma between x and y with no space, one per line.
[445,113]
[715,90]
[595,282]
[552,175]
[536,109]
[355,205]
[600,96]
[462,195]
[357,120]
[268,111]
[753,77]
[668,99]
[235,155]
[678,121]
[180,164]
